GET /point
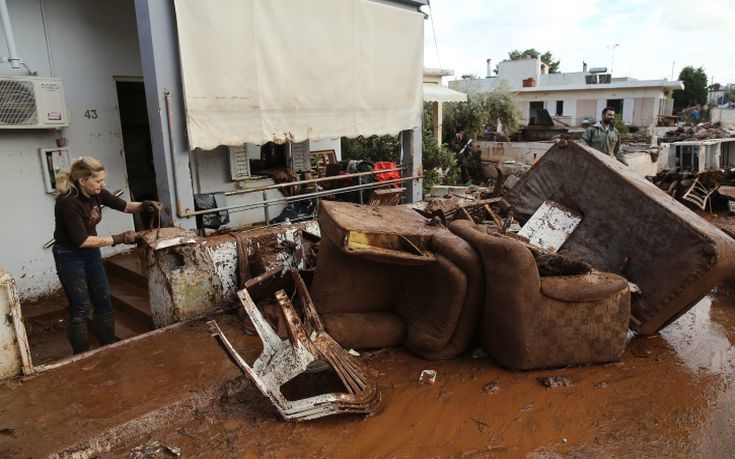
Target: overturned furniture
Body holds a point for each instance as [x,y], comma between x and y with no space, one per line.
[307,344]
[541,317]
[632,228]
[192,276]
[387,276]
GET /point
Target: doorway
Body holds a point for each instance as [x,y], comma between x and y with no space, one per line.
[616,104]
[533,109]
[136,135]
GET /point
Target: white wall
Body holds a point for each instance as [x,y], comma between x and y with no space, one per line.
[601,96]
[726,116]
[211,170]
[91,43]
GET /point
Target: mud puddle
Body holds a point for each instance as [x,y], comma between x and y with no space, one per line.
[673,395]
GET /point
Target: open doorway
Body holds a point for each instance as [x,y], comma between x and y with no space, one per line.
[616,104]
[136,135]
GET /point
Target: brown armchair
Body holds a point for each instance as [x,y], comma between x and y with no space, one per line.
[386,277]
[529,321]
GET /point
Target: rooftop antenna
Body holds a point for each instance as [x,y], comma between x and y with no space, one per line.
[612,55]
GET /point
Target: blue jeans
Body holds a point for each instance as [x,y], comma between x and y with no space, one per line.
[84,281]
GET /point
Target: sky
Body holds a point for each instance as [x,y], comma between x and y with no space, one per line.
[643,39]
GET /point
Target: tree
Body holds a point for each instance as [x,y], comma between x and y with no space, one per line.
[373,148]
[531,53]
[481,109]
[695,88]
[439,163]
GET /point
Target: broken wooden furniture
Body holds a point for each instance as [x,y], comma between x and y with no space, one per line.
[189,277]
[632,228]
[530,321]
[307,345]
[699,195]
[387,276]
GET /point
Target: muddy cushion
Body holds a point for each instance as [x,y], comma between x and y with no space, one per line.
[585,287]
[370,330]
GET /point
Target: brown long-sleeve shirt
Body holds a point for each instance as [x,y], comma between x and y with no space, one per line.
[77,216]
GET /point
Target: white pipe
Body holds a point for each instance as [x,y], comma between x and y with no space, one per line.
[8,29]
[45,36]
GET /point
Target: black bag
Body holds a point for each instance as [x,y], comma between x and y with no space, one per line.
[211,201]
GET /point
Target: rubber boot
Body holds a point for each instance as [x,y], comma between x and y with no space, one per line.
[104,327]
[77,333]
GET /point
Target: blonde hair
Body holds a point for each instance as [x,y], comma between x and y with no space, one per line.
[82,168]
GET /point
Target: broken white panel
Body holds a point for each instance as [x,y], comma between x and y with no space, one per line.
[15,355]
[550,226]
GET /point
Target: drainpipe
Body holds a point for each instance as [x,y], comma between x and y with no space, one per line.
[8,29]
[171,147]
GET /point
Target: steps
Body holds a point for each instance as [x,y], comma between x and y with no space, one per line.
[129,294]
[129,266]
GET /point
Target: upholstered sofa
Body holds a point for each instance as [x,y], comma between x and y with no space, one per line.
[629,227]
[386,276]
[531,321]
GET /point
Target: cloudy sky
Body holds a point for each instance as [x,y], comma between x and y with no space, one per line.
[651,35]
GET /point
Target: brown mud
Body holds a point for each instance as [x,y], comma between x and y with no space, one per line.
[673,395]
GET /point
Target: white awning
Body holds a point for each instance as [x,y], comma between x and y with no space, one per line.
[439,93]
[261,70]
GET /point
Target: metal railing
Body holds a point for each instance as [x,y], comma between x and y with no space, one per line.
[265,202]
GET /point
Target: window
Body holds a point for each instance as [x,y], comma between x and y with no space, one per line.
[559,108]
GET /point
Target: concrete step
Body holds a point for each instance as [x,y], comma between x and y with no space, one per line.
[129,266]
[131,299]
[127,326]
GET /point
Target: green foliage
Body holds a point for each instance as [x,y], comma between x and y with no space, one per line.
[714,87]
[439,163]
[373,148]
[695,88]
[531,53]
[487,108]
[620,126]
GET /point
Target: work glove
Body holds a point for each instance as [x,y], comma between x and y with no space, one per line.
[128,237]
[152,207]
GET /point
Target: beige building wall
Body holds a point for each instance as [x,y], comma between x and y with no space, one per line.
[643,110]
[640,105]
[586,108]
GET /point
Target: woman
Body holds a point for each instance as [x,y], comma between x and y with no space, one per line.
[80,195]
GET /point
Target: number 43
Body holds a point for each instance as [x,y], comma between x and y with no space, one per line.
[91,114]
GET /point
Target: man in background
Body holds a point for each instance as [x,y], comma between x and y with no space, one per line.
[603,135]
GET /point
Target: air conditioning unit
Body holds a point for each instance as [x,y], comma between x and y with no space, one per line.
[32,103]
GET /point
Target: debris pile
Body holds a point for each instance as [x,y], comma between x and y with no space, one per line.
[677,182]
[701,131]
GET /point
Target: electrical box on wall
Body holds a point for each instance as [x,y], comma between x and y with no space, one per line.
[53,161]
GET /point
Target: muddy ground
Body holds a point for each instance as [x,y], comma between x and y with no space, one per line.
[673,395]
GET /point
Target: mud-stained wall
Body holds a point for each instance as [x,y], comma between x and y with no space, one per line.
[211,174]
[90,44]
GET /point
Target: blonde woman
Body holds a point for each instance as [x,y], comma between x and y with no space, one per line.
[80,195]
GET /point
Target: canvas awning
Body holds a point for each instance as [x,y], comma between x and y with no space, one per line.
[439,93]
[261,70]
